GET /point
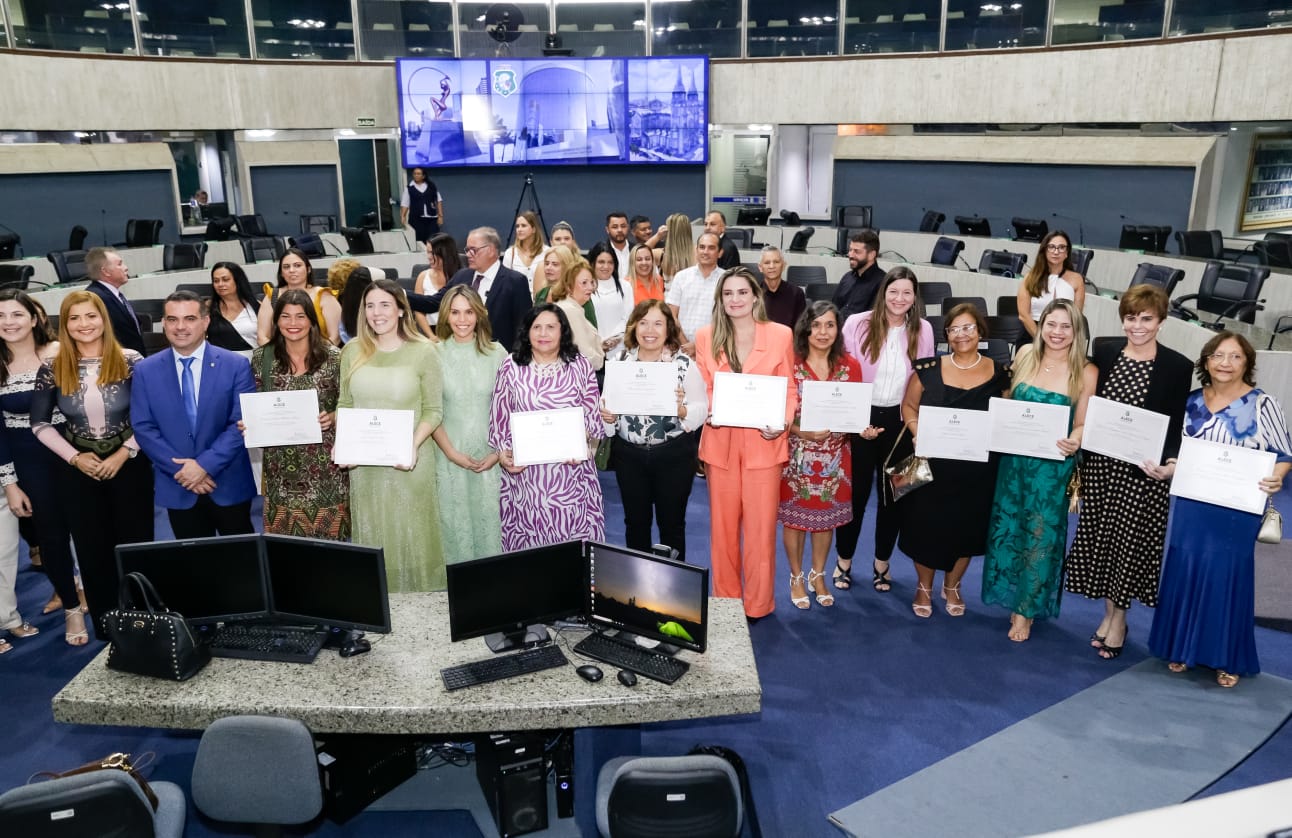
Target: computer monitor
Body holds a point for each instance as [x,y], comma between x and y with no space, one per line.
[757,215]
[506,599]
[972,225]
[648,596]
[327,583]
[357,240]
[207,580]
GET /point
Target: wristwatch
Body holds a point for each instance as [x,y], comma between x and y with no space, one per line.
[131,452]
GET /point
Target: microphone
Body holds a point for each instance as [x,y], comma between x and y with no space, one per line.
[1243,253]
[971,268]
[325,243]
[1081,228]
[103,220]
[895,253]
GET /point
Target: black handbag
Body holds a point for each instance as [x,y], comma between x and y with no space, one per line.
[150,640]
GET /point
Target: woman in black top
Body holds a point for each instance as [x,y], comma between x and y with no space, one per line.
[233,309]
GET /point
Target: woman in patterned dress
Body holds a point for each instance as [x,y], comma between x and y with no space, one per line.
[306,494]
[654,456]
[552,502]
[816,483]
[1117,552]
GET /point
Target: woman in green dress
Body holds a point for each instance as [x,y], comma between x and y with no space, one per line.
[1028,532]
[390,365]
[306,494]
[467,475]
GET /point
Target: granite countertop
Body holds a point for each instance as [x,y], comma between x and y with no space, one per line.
[396,687]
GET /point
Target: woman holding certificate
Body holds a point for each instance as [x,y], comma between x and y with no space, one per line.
[546,502]
[1204,605]
[1050,278]
[467,474]
[294,273]
[306,494]
[390,366]
[1116,555]
[885,341]
[1029,517]
[744,464]
[572,292]
[816,483]
[945,522]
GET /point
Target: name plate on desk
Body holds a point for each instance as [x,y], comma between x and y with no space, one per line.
[373,437]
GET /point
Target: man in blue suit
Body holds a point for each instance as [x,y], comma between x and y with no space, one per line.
[185,410]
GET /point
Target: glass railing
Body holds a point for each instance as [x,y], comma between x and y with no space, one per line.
[386,29]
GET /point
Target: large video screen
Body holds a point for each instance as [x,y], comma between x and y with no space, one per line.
[567,111]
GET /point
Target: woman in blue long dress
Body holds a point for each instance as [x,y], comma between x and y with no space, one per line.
[1027,536]
[1205,604]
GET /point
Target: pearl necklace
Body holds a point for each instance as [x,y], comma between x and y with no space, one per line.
[971,366]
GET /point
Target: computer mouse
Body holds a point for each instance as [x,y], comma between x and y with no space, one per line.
[588,672]
[627,678]
[354,646]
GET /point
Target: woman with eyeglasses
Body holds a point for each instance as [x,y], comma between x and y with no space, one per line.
[1051,277]
[1205,599]
[1116,555]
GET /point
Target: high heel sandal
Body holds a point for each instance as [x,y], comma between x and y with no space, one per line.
[24,630]
[923,611]
[1176,667]
[823,599]
[879,579]
[75,638]
[804,602]
[1226,679]
[955,609]
[842,575]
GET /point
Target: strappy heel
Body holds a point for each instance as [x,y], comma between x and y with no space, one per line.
[842,575]
[825,599]
[804,602]
[879,579]
[955,609]
[923,611]
[75,638]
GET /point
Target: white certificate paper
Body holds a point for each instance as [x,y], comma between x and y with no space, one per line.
[748,401]
[548,436]
[1029,429]
[1123,432]
[838,406]
[640,389]
[1224,475]
[950,433]
[281,417]
[373,437]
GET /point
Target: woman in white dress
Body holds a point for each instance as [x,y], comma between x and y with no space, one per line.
[526,253]
[1051,277]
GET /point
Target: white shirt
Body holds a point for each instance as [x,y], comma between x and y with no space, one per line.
[692,292]
[611,308]
[1055,286]
[421,187]
[512,259]
[624,258]
[890,371]
[490,274]
[246,326]
[199,354]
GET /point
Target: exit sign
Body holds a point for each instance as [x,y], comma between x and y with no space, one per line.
[365,122]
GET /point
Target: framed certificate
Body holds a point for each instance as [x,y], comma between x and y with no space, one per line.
[1029,429]
[373,437]
[950,433]
[280,417]
[1224,475]
[1131,434]
[838,406]
[548,436]
[748,401]
[640,389]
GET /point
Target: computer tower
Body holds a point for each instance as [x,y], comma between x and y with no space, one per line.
[512,771]
[358,769]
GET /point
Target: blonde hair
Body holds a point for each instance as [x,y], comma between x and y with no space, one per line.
[365,341]
[112,366]
[1029,357]
[679,250]
[483,331]
[565,284]
[562,254]
[724,333]
[339,272]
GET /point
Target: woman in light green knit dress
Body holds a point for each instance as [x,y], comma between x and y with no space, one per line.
[391,366]
[467,470]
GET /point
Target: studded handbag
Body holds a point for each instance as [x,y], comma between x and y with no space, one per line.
[148,639]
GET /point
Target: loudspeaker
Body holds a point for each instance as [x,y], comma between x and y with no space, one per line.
[513,776]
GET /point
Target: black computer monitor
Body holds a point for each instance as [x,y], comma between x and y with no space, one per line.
[358,241]
[972,225]
[215,209]
[206,580]
[506,599]
[649,596]
[327,583]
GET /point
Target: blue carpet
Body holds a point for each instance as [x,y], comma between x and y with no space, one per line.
[856,697]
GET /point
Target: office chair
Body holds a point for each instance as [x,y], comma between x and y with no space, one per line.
[76,241]
[950,302]
[799,243]
[92,805]
[790,218]
[1273,252]
[180,257]
[853,215]
[932,221]
[252,226]
[1163,276]
[756,217]
[1002,263]
[406,283]
[1029,229]
[258,770]
[820,291]
[318,224]
[843,237]
[9,245]
[972,225]
[1081,259]
[69,265]
[1146,237]
[936,323]
[16,276]
[1098,343]
[946,251]
[262,249]
[1203,244]
[311,244]
[1007,304]
[358,241]
[805,275]
[933,293]
[220,229]
[740,237]
[1225,290]
[142,232]
[1006,327]
[202,289]
[996,349]
[644,797]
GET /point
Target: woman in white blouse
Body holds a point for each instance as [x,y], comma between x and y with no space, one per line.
[613,299]
[233,310]
[526,252]
[1050,278]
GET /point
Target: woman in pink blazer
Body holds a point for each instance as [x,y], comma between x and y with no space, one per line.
[743,465]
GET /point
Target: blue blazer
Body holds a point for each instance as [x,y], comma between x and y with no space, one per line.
[161,427]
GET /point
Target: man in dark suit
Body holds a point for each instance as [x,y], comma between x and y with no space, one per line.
[857,288]
[505,292]
[728,253]
[185,410]
[107,272]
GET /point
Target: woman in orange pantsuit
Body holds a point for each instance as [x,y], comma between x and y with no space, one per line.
[743,465]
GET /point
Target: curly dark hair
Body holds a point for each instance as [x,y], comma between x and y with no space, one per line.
[524,351]
[803,330]
[318,353]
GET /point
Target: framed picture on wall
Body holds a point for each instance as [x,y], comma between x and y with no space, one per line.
[1268,200]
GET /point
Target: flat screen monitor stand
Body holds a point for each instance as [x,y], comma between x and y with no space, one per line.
[645,642]
[524,638]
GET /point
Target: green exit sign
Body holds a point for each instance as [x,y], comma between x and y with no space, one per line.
[365,122]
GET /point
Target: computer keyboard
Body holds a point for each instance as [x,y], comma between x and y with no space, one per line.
[267,643]
[503,666]
[655,665]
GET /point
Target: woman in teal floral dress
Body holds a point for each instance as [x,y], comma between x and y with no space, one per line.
[467,475]
[1027,536]
[816,483]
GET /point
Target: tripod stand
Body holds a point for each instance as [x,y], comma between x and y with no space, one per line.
[532,191]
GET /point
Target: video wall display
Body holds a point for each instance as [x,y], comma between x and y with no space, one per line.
[566,111]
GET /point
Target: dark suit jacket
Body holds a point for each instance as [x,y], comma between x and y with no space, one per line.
[856,294]
[161,426]
[1168,386]
[728,253]
[124,326]
[508,301]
